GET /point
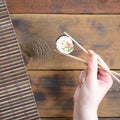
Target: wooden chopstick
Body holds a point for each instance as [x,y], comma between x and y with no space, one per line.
[84,61]
[80,46]
[115,73]
[112,73]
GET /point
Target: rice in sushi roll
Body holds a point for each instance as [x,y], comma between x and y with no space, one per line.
[64,44]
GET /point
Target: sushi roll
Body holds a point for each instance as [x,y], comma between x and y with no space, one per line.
[64,45]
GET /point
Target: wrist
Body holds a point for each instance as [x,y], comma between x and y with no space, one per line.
[85,114]
[88,115]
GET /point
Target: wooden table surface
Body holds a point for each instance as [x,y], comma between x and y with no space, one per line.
[94,24]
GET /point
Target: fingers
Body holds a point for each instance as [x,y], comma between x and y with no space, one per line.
[103,77]
[103,73]
[102,62]
[76,94]
[93,73]
[99,73]
[82,77]
[92,69]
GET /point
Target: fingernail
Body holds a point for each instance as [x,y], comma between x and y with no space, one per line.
[91,52]
[93,62]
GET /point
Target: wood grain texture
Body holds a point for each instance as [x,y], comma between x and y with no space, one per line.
[64,6]
[67,79]
[56,118]
[109,118]
[37,34]
[16,97]
[54,91]
[72,118]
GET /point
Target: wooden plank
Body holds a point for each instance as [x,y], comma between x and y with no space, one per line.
[64,6]
[53,92]
[109,118]
[64,108]
[72,118]
[57,118]
[37,34]
[66,79]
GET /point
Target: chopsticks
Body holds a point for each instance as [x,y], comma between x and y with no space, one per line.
[105,67]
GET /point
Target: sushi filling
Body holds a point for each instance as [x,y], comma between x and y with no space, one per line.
[65,45]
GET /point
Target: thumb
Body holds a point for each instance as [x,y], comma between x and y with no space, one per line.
[91,77]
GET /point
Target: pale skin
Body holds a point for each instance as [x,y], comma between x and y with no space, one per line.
[94,83]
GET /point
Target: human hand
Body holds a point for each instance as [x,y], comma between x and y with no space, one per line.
[93,85]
